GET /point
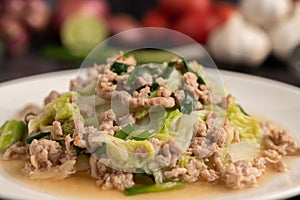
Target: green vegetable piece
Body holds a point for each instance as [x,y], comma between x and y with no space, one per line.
[143,178]
[247,126]
[88,90]
[1,128]
[68,127]
[37,136]
[124,132]
[154,188]
[11,132]
[242,110]
[170,67]
[101,150]
[119,68]
[170,124]
[154,87]
[188,104]
[64,112]
[61,109]
[143,135]
[138,71]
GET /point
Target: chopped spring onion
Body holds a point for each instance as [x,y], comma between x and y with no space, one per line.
[124,132]
[11,132]
[119,68]
[37,136]
[143,135]
[154,188]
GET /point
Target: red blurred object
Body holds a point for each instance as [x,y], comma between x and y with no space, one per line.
[224,10]
[155,18]
[33,13]
[197,25]
[173,8]
[65,8]
[15,8]
[37,14]
[122,22]
[14,34]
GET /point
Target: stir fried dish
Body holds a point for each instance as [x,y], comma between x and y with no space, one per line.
[142,128]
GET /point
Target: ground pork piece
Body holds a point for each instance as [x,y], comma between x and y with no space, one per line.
[192,171]
[108,178]
[215,128]
[225,102]
[16,151]
[202,147]
[216,160]
[141,152]
[129,60]
[122,82]
[79,82]
[164,92]
[107,119]
[204,93]
[179,96]
[70,153]
[57,129]
[279,140]
[142,94]
[126,119]
[240,174]
[197,169]
[141,99]
[270,158]
[199,91]
[191,79]
[52,95]
[209,136]
[98,169]
[44,153]
[232,134]
[79,133]
[200,129]
[118,180]
[144,80]
[191,90]
[106,84]
[28,109]
[156,144]
[166,102]
[169,153]
[175,172]
[86,110]
[122,97]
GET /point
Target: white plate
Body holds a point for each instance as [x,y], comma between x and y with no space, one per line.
[276,101]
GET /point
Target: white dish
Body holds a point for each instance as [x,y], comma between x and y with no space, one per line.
[273,100]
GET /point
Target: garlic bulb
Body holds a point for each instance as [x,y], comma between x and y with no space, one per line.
[239,42]
[265,12]
[285,35]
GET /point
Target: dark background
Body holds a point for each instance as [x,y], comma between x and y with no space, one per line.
[34,63]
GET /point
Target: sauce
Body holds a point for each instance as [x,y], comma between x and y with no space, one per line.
[82,186]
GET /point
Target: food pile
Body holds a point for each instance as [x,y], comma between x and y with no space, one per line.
[145,128]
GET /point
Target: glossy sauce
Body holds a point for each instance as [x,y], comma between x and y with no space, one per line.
[82,186]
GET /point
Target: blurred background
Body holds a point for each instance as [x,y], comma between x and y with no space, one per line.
[260,37]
